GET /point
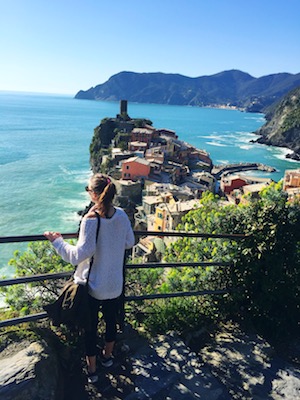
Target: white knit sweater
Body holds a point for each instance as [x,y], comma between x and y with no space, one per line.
[115,235]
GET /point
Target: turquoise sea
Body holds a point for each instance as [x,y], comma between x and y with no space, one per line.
[44,154]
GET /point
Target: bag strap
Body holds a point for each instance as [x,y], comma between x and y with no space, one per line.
[92,258]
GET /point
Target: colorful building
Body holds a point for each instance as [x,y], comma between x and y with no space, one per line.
[291,183]
[135,168]
[144,135]
[291,179]
[232,182]
[168,215]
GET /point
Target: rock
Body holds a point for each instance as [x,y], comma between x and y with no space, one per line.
[293,156]
[29,371]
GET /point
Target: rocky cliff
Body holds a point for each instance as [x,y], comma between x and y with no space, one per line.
[112,131]
[230,88]
[283,124]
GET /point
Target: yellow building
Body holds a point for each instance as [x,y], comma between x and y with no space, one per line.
[168,215]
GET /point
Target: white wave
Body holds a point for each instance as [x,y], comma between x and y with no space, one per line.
[74,204]
[285,150]
[214,137]
[222,162]
[281,154]
[245,147]
[278,150]
[246,134]
[258,119]
[244,141]
[83,176]
[235,137]
[216,144]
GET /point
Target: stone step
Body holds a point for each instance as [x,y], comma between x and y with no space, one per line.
[170,370]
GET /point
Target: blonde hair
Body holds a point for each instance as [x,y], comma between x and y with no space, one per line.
[103,186]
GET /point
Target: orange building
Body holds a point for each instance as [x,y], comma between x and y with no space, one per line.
[135,168]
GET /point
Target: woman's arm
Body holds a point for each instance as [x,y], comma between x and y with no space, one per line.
[85,247]
[129,241]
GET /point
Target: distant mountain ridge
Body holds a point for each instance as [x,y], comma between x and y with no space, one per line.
[232,88]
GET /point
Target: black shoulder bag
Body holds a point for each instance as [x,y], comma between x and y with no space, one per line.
[71,308]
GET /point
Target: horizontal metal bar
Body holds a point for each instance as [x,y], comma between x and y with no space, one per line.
[35,238]
[21,320]
[43,315]
[59,275]
[35,278]
[32,238]
[234,236]
[180,265]
[176,294]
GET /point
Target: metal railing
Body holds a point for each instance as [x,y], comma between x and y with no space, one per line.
[53,276]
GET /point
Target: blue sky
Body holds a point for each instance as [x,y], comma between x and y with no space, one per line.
[63,46]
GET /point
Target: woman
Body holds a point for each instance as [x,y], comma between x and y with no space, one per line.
[106,278]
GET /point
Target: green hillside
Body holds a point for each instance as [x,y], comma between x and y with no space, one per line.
[231,88]
[283,124]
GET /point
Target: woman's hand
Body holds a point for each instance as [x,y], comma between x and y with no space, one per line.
[52,235]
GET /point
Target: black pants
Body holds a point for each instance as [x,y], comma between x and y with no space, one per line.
[109,311]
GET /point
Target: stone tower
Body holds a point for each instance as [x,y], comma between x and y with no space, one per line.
[123,107]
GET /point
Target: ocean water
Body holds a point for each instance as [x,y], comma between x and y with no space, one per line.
[44,154]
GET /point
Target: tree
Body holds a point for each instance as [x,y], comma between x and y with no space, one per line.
[266,272]
[39,258]
[267,266]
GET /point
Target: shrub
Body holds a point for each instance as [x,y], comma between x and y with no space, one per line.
[266,272]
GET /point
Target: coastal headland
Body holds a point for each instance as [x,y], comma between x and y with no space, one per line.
[152,166]
[118,139]
[232,90]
